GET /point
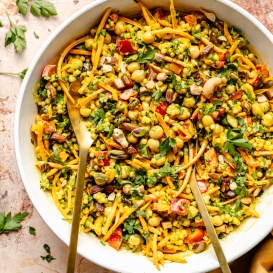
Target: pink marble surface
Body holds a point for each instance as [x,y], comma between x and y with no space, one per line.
[19,251]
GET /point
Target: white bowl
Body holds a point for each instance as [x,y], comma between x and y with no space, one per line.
[235,244]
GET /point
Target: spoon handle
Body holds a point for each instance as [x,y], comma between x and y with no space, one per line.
[209,227]
[72,252]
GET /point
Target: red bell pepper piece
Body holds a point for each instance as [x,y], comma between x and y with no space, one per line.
[48,70]
[125,46]
[115,239]
[103,160]
[180,206]
[194,236]
[162,108]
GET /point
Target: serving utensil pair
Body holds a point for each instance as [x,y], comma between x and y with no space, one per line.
[85,141]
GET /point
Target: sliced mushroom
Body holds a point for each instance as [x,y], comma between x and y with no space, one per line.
[119,137]
[196,89]
[128,126]
[207,49]
[58,137]
[51,90]
[211,16]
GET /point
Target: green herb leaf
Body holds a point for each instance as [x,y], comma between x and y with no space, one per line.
[22,6]
[22,73]
[1,25]
[36,35]
[157,95]
[48,257]
[166,145]
[213,108]
[32,231]
[20,41]
[10,38]
[42,8]
[165,170]
[8,223]
[143,150]
[147,56]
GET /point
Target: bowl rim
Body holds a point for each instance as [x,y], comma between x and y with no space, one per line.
[23,89]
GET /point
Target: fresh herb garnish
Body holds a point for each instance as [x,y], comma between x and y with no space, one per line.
[166,145]
[32,231]
[234,141]
[48,257]
[16,36]
[8,223]
[147,56]
[20,74]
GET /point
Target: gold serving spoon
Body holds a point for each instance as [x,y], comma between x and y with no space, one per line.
[84,141]
[208,224]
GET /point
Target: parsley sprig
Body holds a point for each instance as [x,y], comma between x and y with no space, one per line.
[234,141]
[166,145]
[37,8]
[8,223]
[48,257]
[16,36]
[20,74]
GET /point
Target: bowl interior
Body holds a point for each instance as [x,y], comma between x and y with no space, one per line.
[236,244]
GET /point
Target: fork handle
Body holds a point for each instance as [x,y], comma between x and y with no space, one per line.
[72,252]
[208,224]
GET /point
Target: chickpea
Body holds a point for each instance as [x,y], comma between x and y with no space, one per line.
[145,106]
[85,112]
[154,221]
[134,240]
[194,52]
[148,37]
[133,114]
[207,121]
[179,142]
[107,38]
[171,156]
[125,171]
[156,132]
[217,220]
[257,109]
[185,113]
[132,139]
[76,63]
[89,43]
[107,211]
[267,119]
[153,144]
[189,102]
[138,76]
[217,130]
[131,67]
[230,89]
[265,105]
[161,160]
[119,28]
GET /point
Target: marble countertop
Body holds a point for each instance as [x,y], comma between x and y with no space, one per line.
[19,251]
